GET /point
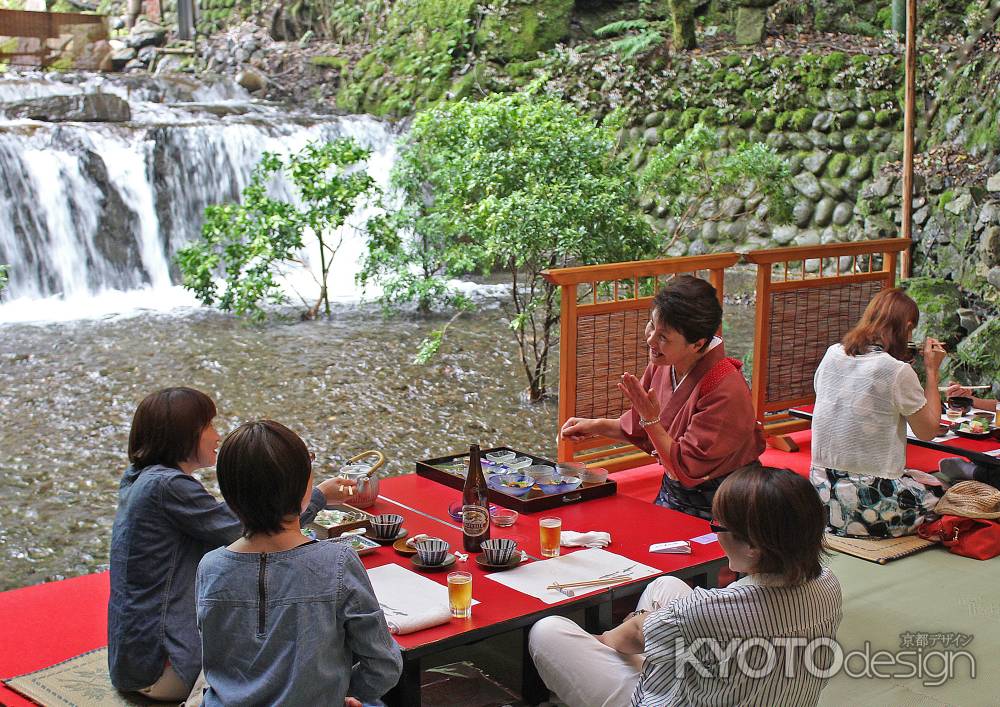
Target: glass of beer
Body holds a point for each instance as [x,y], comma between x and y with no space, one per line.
[460,594]
[549,531]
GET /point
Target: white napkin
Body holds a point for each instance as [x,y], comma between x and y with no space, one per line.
[431,616]
[592,538]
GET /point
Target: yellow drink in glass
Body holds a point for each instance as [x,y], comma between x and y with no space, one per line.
[549,532]
[460,594]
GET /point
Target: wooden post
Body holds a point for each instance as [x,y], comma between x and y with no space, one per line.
[908,120]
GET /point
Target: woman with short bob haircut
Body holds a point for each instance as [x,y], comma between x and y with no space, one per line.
[165,522]
[866,394]
[285,619]
[691,409]
[769,523]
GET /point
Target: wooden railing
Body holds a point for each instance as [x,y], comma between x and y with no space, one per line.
[807,299]
[42,38]
[602,334]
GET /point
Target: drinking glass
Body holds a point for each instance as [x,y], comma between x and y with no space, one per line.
[549,532]
[460,594]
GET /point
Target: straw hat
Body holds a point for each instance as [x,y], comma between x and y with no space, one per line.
[971,499]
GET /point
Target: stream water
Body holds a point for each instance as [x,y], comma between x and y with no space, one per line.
[90,215]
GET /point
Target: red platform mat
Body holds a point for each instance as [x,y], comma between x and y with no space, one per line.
[47,623]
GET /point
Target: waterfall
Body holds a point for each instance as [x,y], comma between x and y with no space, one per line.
[92,213]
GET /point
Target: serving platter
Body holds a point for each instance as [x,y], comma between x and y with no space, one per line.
[448,470]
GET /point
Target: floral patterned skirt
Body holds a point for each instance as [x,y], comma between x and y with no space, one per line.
[870,506]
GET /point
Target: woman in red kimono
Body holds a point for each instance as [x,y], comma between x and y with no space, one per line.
[691,409]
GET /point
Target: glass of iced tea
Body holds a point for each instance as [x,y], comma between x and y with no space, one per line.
[549,531]
[460,594]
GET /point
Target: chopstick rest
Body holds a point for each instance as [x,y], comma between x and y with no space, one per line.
[674,547]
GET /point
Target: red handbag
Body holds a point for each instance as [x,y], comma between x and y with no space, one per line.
[971,537]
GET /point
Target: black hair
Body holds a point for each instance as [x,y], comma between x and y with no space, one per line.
[263,472]
[167,427]
[690,306]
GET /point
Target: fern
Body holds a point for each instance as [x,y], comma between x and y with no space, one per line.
[620,27]
[633,46]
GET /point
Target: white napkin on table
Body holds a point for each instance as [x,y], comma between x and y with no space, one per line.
[431,616]
[592,538]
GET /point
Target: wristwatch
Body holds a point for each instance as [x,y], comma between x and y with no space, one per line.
[646,423]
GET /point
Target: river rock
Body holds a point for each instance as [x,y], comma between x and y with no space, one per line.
[920,215]
[710,231]
[756,227]
[800,141]
[990,213]
[135,66]
[817,138]
[835,139]
[699,247]
[843,213]
[802,212]
[731,206]
[120,57]
[816,161]
[146,33]
[866,119]
[653,119]
[651,136]
[993,183]
[860,169]
[989,246]
[783,235]
[823,121]
[750,24]
[87,108]
[251,80]
[959,205]
[733,230]
[837,100]
[993,277]
[806,184]
[147,55]
[808,237]
[824,211]
[855,143]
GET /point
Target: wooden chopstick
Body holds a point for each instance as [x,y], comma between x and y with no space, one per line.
[590,582]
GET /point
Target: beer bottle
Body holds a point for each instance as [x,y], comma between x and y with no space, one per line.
[475,505]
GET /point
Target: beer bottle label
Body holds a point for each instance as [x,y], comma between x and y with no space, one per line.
[475,520]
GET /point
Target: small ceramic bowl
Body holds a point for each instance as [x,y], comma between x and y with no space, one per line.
[455,510]
[432,551]
[501,457]
[540,472]
[561,484]
[518,463]
[959,402]
[504,517]
[594,476]
[983,415]
[387,525]
[514,484]
[498,551]
[571,468]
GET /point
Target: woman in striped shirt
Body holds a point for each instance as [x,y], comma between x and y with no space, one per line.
[765,639]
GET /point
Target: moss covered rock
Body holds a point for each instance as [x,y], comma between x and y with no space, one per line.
[978,355]
[528,27]
[939,301]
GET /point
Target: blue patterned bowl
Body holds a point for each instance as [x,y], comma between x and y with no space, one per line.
[386,526]
[560,484]
[513,484]
[498,551]
[432,551]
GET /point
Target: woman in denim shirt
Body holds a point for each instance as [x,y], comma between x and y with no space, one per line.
[166,522]
[286,620]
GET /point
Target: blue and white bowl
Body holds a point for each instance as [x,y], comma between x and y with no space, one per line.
[432,551]
[498,551]
[513,484]
[560,484]
[386,526]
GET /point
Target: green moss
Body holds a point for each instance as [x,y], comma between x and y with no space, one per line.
[945,198]
[938,301]
[526,29]
[746,118]
[332,62]
[765,121]
[709,116]
[731,60]
[979,353]
[784,120]
[835,61]
[847,119]
[885,118]
[837,165]
[802,119]
[688,118]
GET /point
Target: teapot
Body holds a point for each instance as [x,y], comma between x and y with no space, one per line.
[363,473]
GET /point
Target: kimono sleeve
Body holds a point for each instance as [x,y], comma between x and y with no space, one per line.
[629,420]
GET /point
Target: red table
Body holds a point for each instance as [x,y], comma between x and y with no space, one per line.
[974,449]
[633,524]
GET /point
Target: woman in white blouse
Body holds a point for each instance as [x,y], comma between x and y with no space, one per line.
[765,639]
[866,393]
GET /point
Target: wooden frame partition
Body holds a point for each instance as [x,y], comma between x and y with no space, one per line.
[602,334]
[801,313]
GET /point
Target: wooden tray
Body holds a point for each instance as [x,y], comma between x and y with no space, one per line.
[534,501]
[323,532]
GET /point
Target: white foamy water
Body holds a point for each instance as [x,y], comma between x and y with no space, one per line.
[92,214]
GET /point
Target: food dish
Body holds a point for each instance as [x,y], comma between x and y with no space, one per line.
[560,485]
[449,560]
[975,429]
[504,517]
[360,544]
[402,548]
[513,484]
[514,561]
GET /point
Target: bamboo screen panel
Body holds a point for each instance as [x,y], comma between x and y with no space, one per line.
[804,324]
[607,345]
